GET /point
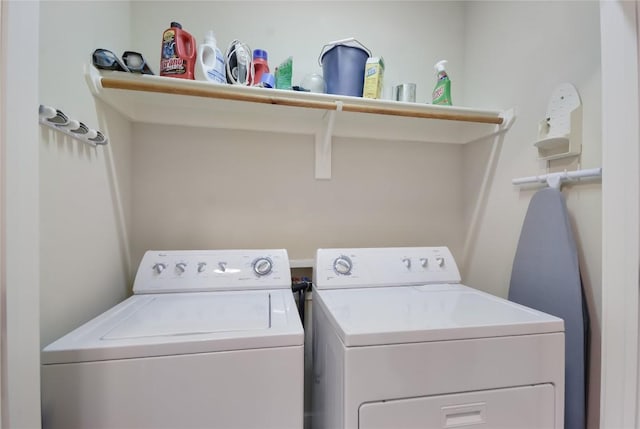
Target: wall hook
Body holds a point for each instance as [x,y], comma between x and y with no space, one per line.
[56,119]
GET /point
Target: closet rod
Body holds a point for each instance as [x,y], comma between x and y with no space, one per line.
[555,179]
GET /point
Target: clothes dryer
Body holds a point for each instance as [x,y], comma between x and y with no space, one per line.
[210,339]
[398,342]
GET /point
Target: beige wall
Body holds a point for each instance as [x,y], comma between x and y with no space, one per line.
[202,188]
[83,251]
[516,53]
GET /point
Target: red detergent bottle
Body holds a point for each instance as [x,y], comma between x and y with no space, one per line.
[178,55]
[260,65]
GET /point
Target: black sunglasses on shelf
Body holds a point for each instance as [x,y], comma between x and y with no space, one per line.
[133,61]
[107,60]
[136,63]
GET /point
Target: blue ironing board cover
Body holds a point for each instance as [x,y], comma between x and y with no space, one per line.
[546,277]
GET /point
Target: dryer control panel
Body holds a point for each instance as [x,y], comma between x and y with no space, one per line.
[384,266]
[212,270]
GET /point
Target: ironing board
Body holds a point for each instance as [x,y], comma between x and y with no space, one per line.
[546,277]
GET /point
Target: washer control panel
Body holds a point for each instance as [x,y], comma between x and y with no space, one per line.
[391,266]
[210,270]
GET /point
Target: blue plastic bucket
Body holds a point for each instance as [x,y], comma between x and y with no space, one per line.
[343,67]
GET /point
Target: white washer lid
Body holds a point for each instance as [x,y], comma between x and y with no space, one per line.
[182,323]
[409,314]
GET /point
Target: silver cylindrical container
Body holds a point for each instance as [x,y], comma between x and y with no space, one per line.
[405,92]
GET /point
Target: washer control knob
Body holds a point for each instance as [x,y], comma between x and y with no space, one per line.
[181,267]
[343,265]
[201,266]
[222,266]
[159,267]
[407,263]
[440,262]
[262,266]
[424,262]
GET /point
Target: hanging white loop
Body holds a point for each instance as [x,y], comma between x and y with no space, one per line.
[554,180]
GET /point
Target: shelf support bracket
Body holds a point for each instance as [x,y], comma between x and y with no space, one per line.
[323,144]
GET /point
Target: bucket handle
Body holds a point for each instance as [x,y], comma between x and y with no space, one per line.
[338,42]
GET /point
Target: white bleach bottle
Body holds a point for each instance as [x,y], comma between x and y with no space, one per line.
[211,61]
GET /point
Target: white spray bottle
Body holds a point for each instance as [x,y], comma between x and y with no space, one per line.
[211,61]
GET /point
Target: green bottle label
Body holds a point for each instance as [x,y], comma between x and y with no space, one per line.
[442,93]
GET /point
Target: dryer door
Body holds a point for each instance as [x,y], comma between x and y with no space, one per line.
[518,407]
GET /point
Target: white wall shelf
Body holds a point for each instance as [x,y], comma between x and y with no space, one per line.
[170,101]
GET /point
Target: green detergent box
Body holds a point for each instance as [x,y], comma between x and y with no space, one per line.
[373,76]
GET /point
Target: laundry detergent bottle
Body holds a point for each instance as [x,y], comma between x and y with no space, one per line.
[260,65]
[178,55]
[442,92]
[210,61]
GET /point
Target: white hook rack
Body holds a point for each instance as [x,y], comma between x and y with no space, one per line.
[56,119]
[555,180]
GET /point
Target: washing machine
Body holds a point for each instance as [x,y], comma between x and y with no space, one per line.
[210,339]
[398,342]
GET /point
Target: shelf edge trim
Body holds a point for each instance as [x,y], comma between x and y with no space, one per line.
[213,92]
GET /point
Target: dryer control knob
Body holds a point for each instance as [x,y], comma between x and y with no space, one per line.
[262,266]
[181,267]
[343,265]
[159,267]
[201,267]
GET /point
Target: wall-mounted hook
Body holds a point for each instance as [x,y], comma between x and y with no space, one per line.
[56,119]
[52,116]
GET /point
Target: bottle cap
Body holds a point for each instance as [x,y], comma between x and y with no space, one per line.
[176,24]
[259,53]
